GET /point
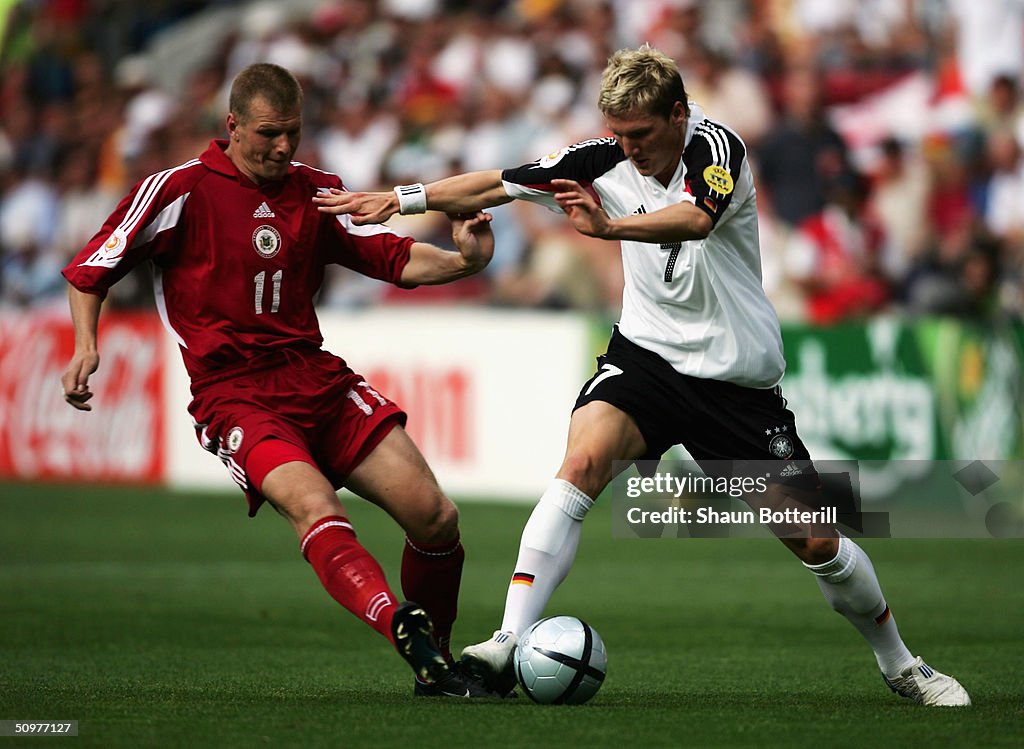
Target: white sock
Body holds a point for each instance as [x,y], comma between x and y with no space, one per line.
[546,552]
[849,584]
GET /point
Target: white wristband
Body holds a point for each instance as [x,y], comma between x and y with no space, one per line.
[411,198]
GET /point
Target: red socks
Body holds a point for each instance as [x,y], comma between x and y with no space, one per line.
[431,575]
[350,574]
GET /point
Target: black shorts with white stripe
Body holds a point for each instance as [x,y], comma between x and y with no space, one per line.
[721,424]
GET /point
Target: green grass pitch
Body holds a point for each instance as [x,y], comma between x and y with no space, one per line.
[171,620]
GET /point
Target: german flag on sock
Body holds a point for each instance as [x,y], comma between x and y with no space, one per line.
[521,578]
[883,617]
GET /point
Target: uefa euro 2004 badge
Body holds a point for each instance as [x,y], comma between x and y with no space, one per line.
[234,439]
[781,446]
[109,254]
[552,158]
[266,240]
[115,244]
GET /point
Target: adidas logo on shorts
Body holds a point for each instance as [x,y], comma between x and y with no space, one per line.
[791,469]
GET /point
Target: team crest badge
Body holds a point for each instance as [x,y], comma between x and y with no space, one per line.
[234,439]
[266,240]
[781,446]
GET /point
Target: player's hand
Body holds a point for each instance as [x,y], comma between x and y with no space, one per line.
[473,237]
[75,379]
[586,215]
[363,207]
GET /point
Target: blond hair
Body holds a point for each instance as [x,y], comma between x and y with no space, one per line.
[263,80]
[641,80]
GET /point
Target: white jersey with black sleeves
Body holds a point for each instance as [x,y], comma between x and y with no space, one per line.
[700,305]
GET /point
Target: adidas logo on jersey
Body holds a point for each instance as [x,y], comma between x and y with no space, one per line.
[264,211]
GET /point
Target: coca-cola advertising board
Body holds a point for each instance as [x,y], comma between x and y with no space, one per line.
[42,437]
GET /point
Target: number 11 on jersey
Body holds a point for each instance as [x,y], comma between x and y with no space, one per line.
[275,300]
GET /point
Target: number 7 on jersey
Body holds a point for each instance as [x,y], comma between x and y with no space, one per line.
[673,255]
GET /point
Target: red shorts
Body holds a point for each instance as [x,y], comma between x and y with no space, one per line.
[327,414]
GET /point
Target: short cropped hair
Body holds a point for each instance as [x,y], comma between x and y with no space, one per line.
[263,80]
[641,80]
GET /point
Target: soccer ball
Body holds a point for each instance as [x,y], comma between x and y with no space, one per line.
[560,660]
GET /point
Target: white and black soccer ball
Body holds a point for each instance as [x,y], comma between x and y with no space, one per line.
[560,660]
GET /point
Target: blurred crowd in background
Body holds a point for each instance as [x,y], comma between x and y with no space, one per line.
[886,135]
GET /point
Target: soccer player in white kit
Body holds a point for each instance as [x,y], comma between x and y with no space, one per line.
[696,357]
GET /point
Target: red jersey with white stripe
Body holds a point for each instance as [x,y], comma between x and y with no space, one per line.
[237,266]
[699,305]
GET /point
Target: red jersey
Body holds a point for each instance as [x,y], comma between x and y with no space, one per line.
[236,265]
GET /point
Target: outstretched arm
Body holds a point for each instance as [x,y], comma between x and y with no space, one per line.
[676,223]
[85,315]
[474,240]
[463,193]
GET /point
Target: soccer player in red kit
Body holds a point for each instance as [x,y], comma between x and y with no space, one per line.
[238,252]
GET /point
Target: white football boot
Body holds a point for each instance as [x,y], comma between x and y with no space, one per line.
[923,684]
[491,662]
